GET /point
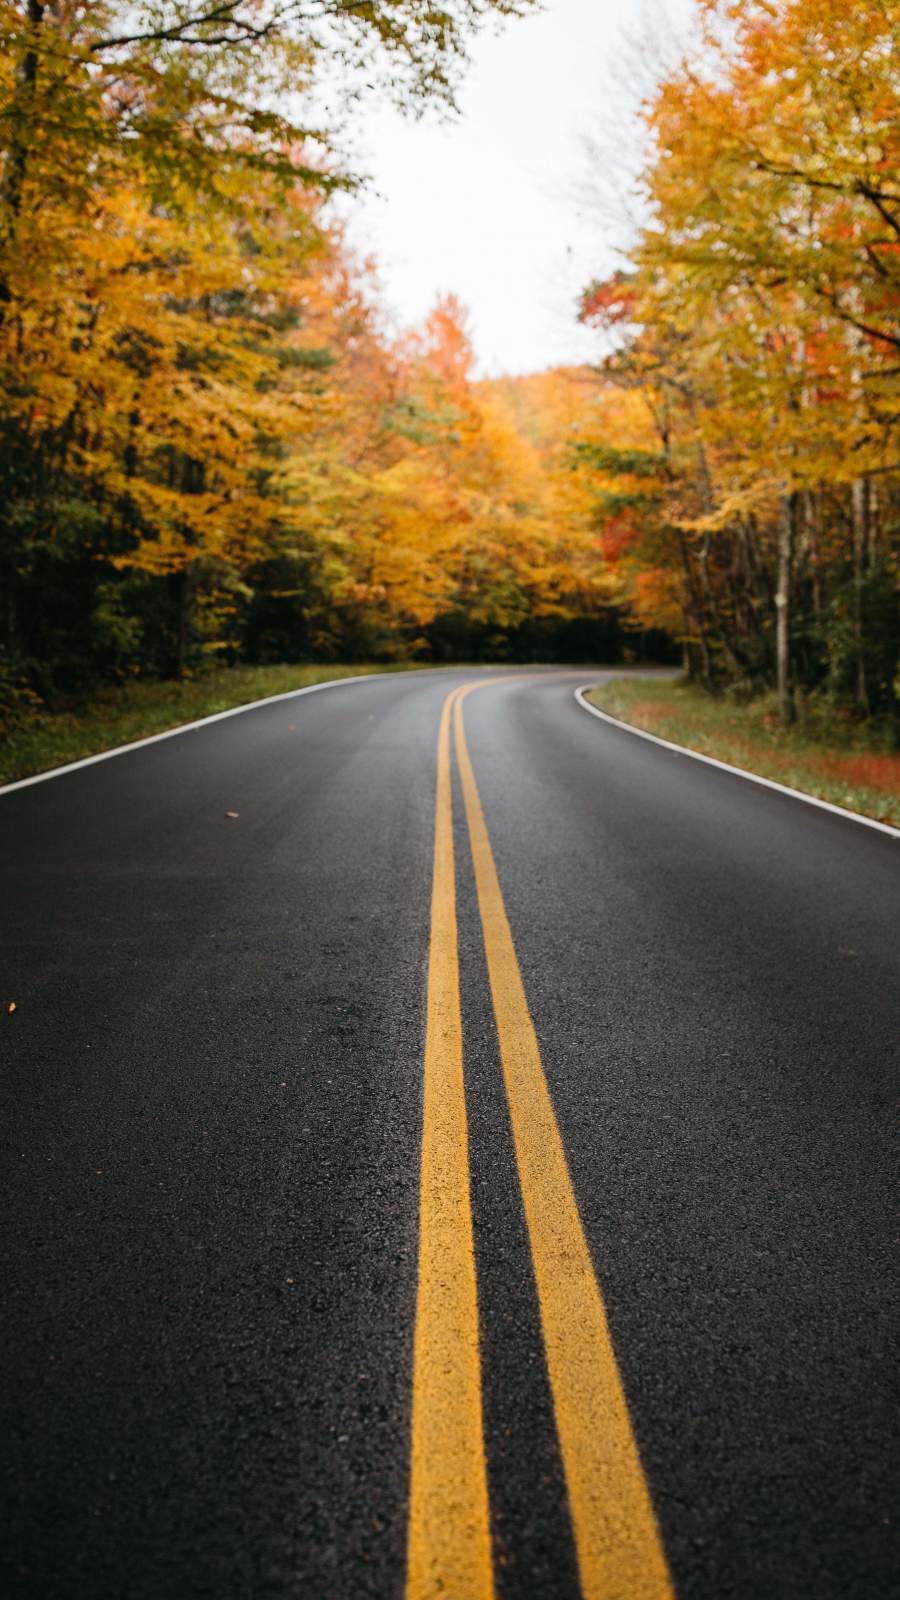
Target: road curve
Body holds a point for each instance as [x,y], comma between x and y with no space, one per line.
[215,1246]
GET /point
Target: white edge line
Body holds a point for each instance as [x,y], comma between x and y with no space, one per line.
[201,722]
[739,772]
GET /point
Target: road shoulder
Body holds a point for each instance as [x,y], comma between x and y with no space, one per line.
[593,699]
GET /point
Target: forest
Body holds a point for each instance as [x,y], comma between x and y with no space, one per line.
[215,450]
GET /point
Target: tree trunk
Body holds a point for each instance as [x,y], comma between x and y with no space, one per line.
[783,610]
[695,611]
[811,523]
[858,504]
[22,113]
[872,522]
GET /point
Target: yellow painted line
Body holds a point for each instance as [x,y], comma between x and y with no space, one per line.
[449,1545]
[620,1553]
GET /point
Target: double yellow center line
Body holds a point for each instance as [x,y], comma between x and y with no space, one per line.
[620,1555]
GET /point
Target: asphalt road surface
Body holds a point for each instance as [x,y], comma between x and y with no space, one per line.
[609,1310]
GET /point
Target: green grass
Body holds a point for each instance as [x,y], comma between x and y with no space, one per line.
[849,766]
[120,714]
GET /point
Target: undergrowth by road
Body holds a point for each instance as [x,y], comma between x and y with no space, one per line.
[848,766]
[39,739]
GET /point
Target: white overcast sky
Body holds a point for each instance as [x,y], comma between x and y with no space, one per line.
[493,206]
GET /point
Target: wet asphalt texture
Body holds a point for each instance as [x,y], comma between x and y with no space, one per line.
[211,1118]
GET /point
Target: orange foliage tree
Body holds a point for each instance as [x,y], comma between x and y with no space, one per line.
[202,430]
[758,329]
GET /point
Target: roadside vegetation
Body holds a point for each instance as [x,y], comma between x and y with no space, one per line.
[214,453]
[852,766]
[749,492]
[211,449]
[39,739]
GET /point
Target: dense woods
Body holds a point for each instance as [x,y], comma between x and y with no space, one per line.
[211,449]
[758,512]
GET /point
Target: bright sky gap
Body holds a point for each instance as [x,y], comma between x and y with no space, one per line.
[477,207]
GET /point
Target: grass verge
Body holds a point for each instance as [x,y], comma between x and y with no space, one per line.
[123,713]
[850,768]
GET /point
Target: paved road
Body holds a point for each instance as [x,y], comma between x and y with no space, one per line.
[213,1123]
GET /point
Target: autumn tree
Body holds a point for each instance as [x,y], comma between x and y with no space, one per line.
[160,224]
[759,326]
